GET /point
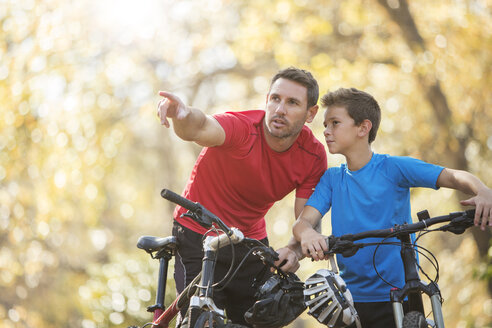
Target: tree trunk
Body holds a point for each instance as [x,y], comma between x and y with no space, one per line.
[402,17]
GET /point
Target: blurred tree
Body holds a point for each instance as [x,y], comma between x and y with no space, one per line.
[83,158]
[453,134]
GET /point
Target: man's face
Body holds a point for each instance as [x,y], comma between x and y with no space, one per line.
[286,109]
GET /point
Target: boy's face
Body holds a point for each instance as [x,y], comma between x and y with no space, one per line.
[341,133]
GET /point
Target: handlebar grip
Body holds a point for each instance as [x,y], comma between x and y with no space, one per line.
[331,242]
[180,200]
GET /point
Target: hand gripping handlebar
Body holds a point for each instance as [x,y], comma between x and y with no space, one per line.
[457,222]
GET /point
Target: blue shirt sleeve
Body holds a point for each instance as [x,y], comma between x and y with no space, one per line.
[411,172]
[322,195]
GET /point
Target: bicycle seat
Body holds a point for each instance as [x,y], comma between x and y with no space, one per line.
[155,244]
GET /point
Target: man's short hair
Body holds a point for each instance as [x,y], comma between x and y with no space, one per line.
[302,77]
[359,105]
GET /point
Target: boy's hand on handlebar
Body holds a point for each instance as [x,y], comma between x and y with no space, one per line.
[314,245]
[483,207]
[287,260]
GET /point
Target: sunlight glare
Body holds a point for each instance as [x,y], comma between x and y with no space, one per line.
[129,19]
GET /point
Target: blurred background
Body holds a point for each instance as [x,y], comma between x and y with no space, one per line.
[83,157]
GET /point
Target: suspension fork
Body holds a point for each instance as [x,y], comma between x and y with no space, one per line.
[413,286]
[412,278]
[203,299]
[207,280]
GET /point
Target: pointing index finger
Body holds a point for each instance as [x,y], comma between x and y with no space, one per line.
[168,95]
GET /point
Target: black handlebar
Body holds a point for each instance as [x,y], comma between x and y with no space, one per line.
[344,245]
[196,211]
[181,201]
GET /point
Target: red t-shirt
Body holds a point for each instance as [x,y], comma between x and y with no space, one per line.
[240,180]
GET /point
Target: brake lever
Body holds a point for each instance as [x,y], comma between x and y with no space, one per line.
[267,255]
[197,218]
[346,248]
[458,225]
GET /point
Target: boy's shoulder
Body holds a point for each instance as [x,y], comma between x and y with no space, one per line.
[387,159]
[382,163]
[336,169]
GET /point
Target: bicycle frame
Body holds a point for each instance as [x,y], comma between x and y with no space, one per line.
[199,296]
[203,299]
[414,287]
[203,293]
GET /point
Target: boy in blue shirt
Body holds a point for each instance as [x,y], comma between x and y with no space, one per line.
[372,191]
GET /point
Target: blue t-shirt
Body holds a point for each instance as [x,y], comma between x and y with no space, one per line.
[377,196]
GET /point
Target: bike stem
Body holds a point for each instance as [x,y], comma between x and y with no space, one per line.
[211,244]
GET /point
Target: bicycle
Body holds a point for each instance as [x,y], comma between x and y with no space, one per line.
[198,295]
[414,288]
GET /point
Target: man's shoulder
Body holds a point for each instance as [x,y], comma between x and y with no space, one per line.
[254,116]
[310,144]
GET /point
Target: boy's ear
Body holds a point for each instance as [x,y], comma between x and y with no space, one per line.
[364,128]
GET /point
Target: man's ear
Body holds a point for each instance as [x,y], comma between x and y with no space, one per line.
[364,128]
[311,113]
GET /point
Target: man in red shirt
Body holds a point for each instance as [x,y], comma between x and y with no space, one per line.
[250,160]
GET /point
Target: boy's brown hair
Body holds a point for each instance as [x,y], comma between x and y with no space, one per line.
[359,105]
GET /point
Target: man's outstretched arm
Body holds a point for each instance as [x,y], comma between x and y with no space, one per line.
[189,124]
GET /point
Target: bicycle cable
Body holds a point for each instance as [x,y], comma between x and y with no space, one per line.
[434,262]
[417,249]
[233,256]
[229,279]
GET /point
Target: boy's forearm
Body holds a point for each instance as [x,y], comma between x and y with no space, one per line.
[300,226]
[294,243]
[462,181]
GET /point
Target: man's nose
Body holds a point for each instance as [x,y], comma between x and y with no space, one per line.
[327,131]
[280,108]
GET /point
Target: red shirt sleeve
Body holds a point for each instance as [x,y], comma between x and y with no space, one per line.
[236,127]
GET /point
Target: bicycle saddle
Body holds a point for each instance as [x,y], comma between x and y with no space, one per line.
[155,244]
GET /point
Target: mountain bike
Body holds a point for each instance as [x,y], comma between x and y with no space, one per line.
[198,295]
[414,288]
